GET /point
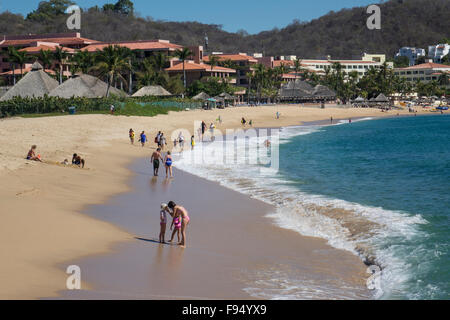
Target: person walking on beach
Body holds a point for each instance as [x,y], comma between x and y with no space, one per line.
[162,141]
[278,115]
[243,121]
[156,156]
[179,211]
[131,135]
[331,120]
[163,222]
[143,138]
[168,162]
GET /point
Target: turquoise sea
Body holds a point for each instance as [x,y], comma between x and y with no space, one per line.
[379,188]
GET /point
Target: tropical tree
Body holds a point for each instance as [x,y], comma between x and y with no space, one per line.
[213,61]
[17,57]
[444,79]
[46,57]
[82,61]
[183,55]
[111,62]
[60,56]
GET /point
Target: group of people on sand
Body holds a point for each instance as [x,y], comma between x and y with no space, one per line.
[76,159]
[180,221]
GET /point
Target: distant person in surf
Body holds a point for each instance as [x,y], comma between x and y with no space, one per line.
[156,156]
[192,142]
[180,212]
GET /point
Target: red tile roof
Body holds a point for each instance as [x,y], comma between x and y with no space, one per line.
[232,57]
[192,66]
[28,69]
[44,47]
[136,45]
[60,41]
[428,65]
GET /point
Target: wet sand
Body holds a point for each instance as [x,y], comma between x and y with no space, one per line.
[233,251]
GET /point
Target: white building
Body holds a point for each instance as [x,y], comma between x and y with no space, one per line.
[438,52]
[424,72]
[360,66]
[411,53]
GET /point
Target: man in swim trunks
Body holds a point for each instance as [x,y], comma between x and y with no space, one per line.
[156,156]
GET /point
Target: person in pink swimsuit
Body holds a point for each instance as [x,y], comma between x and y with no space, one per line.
[180,212]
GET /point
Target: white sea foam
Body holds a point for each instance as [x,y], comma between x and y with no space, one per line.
[311,215]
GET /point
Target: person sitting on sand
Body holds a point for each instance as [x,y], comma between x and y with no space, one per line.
[181,212]
[163,222]
[243,121]
[168,162]
[76,160]
[156,156]
[32,154]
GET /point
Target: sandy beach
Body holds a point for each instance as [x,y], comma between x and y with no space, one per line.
[42,203]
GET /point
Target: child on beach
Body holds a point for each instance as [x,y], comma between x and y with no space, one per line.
[176,222]
[163,222]
[32,154]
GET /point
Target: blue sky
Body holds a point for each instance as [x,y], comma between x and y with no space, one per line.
[251,15]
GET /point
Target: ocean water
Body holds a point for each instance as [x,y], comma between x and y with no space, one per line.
[379,189]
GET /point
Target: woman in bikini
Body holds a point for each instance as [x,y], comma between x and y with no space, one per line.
[168,162]
[179,211]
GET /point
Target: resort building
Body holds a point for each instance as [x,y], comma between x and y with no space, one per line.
[145,48]
[360,66]
[411,53]
[33,43]
[424,72]
[243,63]
[438,52]
[201,71]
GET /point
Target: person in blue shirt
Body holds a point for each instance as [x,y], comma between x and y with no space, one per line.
[143,138]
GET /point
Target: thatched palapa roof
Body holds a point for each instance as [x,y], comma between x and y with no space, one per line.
[201,96]
[35,83]
[381,98]
[323,91]
[157,91]
[86,86]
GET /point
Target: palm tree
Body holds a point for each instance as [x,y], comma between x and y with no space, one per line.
[17,57]
[213,61]
[111,63]
[11,52]
[46,58]
[60,56]
[82,61]
[183,54]
[444,79]
[297,69]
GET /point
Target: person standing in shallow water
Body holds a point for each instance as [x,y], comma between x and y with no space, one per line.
[181,212]
[156,156]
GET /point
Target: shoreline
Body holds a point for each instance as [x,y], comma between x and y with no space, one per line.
[35,199]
